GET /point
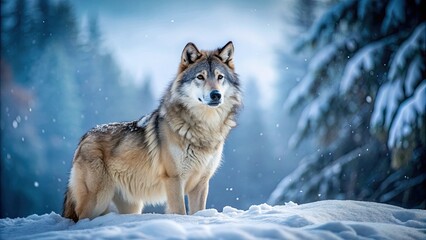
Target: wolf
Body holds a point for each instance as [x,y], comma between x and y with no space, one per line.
[165,155]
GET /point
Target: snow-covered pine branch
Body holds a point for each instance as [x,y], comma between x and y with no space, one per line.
[399,113]
[408,126]
[319,73]
[366,59]
[414,46]
[389,97]
[395,14]
[323,30]
[312,116]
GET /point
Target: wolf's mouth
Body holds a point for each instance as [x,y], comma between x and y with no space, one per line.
[214,103]
[211,103]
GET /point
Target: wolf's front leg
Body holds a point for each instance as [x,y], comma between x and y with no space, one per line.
[198,196]
[175,196]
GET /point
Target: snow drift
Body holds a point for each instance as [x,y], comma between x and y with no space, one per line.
[331,219]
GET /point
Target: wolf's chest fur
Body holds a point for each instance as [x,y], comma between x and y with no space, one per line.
[200,129]
[190,159]
[195,145]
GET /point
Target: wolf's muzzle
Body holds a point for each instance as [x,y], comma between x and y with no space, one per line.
[215,96]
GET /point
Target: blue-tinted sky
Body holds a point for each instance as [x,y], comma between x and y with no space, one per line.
[147,37]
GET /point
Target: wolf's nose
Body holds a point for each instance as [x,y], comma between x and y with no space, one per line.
[215,95]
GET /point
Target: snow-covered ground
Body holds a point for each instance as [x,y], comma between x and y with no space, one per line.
[331,219]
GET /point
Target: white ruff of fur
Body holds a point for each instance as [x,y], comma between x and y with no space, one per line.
[199,124]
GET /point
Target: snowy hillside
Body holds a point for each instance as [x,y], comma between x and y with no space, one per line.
[330,219]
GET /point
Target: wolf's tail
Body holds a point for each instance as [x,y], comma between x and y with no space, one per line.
[69,206]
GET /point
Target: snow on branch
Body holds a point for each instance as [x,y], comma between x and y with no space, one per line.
[299,92]
[409,119]
[414,75]
[399,109]
[364,60]
[400,118]
[387,102]
[317,65]
[311,117]
[326,26]
[415,44]
[395,14]
[363,8]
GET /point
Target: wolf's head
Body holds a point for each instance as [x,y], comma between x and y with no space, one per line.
[206,77]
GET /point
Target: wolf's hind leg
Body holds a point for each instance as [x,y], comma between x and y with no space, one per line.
[92,187]
[125,207]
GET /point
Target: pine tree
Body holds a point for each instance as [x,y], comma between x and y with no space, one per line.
[95,36]
[69,85]
[3,28]
[44,22]
[363,99]
[17,42]
[63,27]
[20,142]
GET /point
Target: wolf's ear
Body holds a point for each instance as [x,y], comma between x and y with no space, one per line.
[227,53]
[190,54]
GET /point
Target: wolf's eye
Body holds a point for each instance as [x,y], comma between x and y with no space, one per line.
[220,77]
[200,77]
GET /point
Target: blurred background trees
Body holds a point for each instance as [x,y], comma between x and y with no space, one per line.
[55,84]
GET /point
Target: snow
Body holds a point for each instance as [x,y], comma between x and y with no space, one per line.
[330,219]
[414,75]
[388,100]
[415,44]
[143,122]
[409,117]
[300,91]
[321,60]
[399,106]
[363,6]
[395,13]
[311,116]
[115,127]
[363,61]
[325,55]
[324,27]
